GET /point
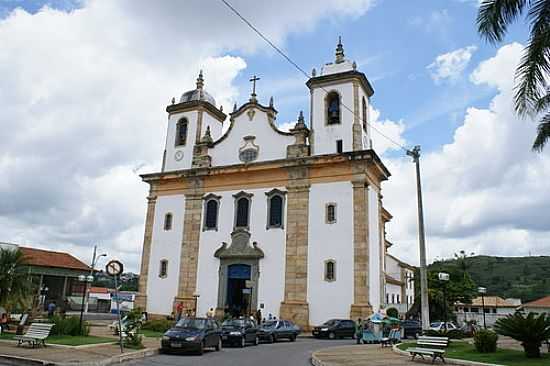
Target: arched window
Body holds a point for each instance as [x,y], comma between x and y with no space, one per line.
[211,209]
[330,270]
[330,215]
[181,132]
[163,268]
[168,222]
[275,208]
[242,209]
[333,108]
[364,114]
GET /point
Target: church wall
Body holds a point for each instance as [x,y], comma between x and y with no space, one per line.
[330,241]
[272,145]
[185,163]
[272,241]
[325,136]
[375,250]
[165,245]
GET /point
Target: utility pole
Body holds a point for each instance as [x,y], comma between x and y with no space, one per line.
[425,306]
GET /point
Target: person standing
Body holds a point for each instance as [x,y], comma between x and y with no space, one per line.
[359,330]
[51,309]
[179,310]
[258,316]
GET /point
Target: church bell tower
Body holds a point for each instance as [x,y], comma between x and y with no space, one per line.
[340,98]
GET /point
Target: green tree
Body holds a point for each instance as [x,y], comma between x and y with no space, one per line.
[532,89]
[15,286]
[530,330]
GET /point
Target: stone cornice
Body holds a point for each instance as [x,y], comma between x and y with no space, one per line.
[342,76]
[196,105]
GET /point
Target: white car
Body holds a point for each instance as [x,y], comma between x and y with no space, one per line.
[439,326]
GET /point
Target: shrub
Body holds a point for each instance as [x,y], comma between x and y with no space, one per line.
[485,341]
[530,330]
[69,326]
[133,326]
[158,325]
[392,312]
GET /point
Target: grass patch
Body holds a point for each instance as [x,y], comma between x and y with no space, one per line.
[465,351]
[7,336]
[151,333]
[77,340]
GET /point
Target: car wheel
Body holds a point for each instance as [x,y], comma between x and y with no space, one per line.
[271,339]
[331,335]
[256,340]
[293,338]
[201,348]
[219,345]
[243,342]
[274,338]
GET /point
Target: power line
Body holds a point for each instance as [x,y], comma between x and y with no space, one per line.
[289,60]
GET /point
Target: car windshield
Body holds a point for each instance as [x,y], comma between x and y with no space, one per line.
[233,323]
[331,322]
[270,324]
[192,323]
[435,325]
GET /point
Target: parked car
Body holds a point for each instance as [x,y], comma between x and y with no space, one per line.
[335,328]
[439,326]
[412,328]
[274,330]
[240,332]
[192,334]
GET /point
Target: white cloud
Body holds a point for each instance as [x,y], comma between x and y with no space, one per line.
[390,129]
[82,102]
[450,65]
[486,191]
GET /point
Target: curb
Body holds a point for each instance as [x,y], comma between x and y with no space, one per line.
[23,361]
[449,361]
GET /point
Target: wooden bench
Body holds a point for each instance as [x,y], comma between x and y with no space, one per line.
[430,346]
[36,334]
[393,337]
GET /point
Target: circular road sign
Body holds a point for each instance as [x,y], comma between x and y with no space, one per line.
[114,268]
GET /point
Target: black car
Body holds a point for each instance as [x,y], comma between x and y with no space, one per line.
[335,328]
[274,330]
[240,332]
[192,334]
[412,328]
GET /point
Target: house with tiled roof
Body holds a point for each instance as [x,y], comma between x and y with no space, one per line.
[54,275]
[538,306]
[490,308]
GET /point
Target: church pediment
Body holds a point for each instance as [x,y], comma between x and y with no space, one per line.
[240,247]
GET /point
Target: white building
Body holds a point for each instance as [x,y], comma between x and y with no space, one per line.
[399,284]
[494,307]
[248,216]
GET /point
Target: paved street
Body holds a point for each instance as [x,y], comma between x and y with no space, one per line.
[284,353]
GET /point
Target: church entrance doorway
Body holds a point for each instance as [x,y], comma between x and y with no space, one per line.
[238,295]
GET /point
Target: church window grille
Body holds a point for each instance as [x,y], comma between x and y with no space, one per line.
[364,115]
[330,270]
[248,155]
[339,146]
[168,218]
[393,298]
[275,208]
[242,209]
[211,214]
[333,108]
[163,268]
[181,132]
[330,215]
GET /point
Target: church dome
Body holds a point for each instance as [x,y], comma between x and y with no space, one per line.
[198,94]
[195,94]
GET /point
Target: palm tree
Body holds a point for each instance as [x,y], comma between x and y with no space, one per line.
[532,75]
[15,285]
[530,330]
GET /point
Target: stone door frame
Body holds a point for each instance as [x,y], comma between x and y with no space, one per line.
[223,277]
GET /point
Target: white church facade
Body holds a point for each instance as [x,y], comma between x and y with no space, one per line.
[251,217]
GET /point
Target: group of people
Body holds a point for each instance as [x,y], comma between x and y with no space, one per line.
[181,312]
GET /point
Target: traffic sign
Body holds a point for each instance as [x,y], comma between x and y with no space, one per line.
[114,268]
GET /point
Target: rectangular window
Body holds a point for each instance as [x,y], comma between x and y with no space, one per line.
[330,214]
[163,270]
[339,146]
[398,299]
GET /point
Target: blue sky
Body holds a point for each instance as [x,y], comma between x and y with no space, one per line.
[85,84]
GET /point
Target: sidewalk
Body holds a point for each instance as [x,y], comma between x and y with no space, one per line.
[66,355]
[358,355]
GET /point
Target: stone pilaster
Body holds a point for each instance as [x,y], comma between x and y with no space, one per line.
[295,306]
[381,250]
[190,246]
[361,308]
[198,133]
[141,297]
[357,129]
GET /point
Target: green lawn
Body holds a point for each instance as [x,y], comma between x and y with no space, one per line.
[151,333]
[465,351]
[66,340]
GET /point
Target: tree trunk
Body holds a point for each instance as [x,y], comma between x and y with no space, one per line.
[532,350]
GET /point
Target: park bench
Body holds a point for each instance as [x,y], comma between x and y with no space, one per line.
[36,334]
[393,337]
[429,346]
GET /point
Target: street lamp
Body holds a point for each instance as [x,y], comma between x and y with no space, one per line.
[86,280]
[95,260]
[482,291]
[444,277]
[196,296]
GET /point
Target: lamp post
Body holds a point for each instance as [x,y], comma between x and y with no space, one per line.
[444,277]
[95,259]
[196,296]
[482,291]
[86,280]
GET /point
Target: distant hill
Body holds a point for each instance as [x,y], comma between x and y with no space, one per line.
[527,278]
